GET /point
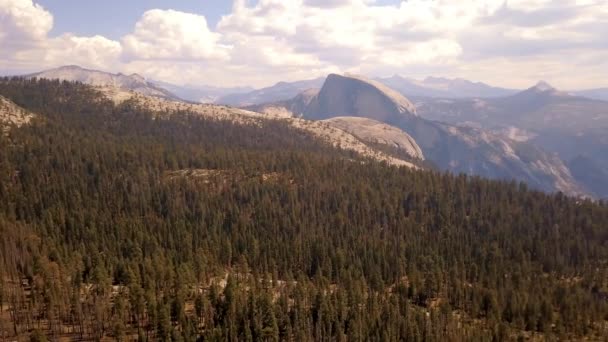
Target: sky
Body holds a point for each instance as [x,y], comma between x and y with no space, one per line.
[509,43]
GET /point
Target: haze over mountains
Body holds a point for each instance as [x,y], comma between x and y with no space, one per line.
[201,93]
[303,170]
[429,87]
[277,92]
[120,88]
[433,87]
[254,225]
[573,126]
[569,125]
[503,134]
[455,148]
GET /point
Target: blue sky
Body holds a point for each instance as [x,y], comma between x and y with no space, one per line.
[509,43]
[115,18]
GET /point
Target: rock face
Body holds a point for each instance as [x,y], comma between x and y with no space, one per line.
[97,78]
[379,133]
[355,96]
[455,148]
[12,115]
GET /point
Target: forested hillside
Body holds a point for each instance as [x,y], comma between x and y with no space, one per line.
[122,224]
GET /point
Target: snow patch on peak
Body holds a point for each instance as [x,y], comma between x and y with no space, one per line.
[138,77]
[543,86]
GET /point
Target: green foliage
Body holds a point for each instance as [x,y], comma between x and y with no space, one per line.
[113,242]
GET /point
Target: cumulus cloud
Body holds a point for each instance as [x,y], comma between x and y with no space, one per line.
[22,24]
[26,45]
[96,51]
[352,32]
[265,41]
[169,34]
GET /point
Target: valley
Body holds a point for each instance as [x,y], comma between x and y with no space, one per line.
[331,204]
[303,170]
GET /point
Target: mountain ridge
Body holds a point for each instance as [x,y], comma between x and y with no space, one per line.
[443,87]
[454,148]
[133,82]
[277,92]
[557,121]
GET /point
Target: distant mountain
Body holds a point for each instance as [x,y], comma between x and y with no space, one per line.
[295,106]
[133,82]
[278,92]
[537,107]
[596,94]
[443,87]
[429,87]
[326,132]
[557,121]
[201,94]
[355,96]
[455,148]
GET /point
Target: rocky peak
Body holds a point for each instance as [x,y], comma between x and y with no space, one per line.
[543,86]
[352,95]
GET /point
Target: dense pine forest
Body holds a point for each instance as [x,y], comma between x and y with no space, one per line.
[117,223]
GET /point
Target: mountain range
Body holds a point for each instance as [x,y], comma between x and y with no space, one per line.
[168,220]
[596,94]
[459,149]
[443,87]
[504,135]
[363,140]
[429,87]
[433,87]
[201,93]
[569,125]
[277,92]
[133,82]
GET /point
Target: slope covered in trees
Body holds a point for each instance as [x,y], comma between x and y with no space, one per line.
[119,224]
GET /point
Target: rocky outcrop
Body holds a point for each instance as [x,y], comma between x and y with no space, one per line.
[355,96]
[12,115]
[376,132]
[459,149]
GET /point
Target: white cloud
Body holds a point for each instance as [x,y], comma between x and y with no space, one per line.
[265,41]
[96,51]
[26,45]
[169,34]
[22,24]
[350,32]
